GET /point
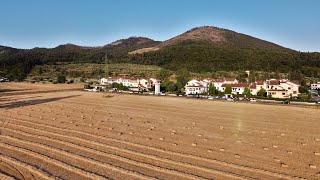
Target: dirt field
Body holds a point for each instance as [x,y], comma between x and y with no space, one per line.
[55,131]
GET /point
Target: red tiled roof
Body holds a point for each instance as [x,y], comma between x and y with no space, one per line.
[253,86]
[259,82]
[276,90]
[218,80]
[229,79]
[237,85]
[273,82]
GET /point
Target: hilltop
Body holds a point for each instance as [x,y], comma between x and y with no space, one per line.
[215,36]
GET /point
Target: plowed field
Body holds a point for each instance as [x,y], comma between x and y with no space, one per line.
[58,131]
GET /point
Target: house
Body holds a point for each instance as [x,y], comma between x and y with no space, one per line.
[196,87]
[237,88]
[109,80]
[315,86]
[282,88]
[278,93]
[276,88]
[254,88]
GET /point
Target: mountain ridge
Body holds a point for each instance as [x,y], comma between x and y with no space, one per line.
[216,36]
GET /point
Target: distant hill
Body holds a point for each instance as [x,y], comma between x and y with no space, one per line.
[217,36]
[207,49]
[200,50]
[8,50]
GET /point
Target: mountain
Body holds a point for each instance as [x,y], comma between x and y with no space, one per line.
[132,42]
[202,49]
[216,36]
[207,49]
[5,49]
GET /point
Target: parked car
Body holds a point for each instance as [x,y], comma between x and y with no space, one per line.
[3,79]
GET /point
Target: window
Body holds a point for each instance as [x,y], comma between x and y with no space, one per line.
[283,93]
[289,87]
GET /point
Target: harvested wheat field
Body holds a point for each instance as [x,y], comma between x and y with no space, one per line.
[58,131]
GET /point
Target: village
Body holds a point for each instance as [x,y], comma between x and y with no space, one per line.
[224,88]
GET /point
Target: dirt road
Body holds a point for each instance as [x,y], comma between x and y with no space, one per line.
[57,131]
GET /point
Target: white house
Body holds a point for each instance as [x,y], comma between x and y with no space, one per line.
[315,86]
[236,88]
[109,80]
[196,87]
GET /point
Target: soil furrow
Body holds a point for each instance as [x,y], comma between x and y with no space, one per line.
[82,173]
[55,152]
[10,161]
[208,160]
[85,144]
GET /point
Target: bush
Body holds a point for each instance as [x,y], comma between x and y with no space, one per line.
[221,93]
[61,79]
[262,93]
[87,86]
[55,82]
[228,89]
[303,89]
[82,79]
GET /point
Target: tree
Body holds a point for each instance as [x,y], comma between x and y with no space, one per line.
[183,76]
[212,89]
[163,74]
[277,75]
[262,92]
[119,86]
[295,75]
[171,88]
[247,91]
[40,70]
[106,66]
[61,79]
[303,89]
[228,89]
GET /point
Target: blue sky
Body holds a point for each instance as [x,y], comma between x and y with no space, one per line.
[48,23]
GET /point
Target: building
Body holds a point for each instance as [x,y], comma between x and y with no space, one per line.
[315,86]
[273,87]
[196,87]
[282,88]
[132,82]
[238,88]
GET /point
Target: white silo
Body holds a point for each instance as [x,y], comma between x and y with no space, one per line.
[157,88]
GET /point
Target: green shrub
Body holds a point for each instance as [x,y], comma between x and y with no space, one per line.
[61,79]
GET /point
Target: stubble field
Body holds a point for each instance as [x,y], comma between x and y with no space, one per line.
[58,131]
